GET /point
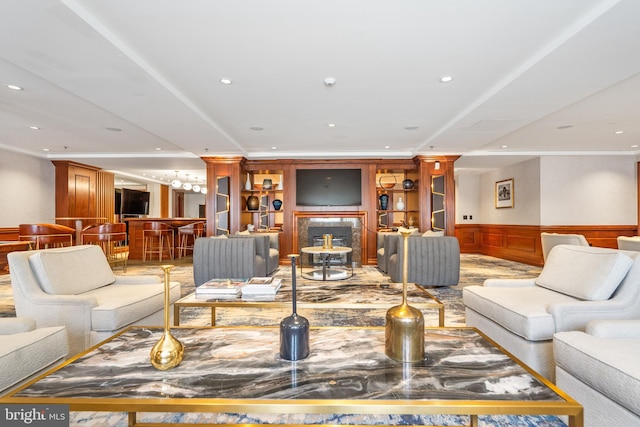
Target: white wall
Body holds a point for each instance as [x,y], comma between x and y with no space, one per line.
[526,195]
[468,199]
[588,190]
[192,202]
[27,192]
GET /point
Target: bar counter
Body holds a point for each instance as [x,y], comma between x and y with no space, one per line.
[136,226]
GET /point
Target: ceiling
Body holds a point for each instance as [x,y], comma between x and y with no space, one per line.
[135,86]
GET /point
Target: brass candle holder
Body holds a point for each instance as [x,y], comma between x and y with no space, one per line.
[168,352]
[404,327]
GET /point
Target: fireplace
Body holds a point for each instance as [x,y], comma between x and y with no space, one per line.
[350,226]
[341,237]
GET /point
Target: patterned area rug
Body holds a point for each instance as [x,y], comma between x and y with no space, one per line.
[474,270]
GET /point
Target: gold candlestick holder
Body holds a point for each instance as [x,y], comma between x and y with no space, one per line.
[168,352]
[404,327]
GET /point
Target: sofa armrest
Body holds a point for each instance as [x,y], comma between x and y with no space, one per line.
[509,283]
[16,325]
[574,315]
[135,280]
[614,328]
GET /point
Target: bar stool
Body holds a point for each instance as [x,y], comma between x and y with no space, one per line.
[46,235]
[112,238]
[187,235]
[157,238]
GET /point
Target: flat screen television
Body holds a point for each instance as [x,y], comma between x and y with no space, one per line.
[328,187]
[134,202]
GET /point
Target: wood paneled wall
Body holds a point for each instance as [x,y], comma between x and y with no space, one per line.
[522,243]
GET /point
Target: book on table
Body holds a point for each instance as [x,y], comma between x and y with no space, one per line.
[215,288]
[261,286]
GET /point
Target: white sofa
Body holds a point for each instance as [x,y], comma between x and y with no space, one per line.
[576,285]
[599,368]
[27,351]
[76,288]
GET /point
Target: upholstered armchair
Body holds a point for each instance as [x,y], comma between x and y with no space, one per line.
[549,240]
[577,284]
[230,257]
[76,288]
[629,243]
[433,261]
[273,259]
[380,249]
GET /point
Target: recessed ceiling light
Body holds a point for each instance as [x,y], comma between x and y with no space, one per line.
[446,79]
[225,81]
[274,148]
[46,149]
[331,125]
[504,146]
[158,149]
[14,87]
[411,127]
[634,146]
[112,129]
[256,128]
[619,132]
[387,146]
[34,127]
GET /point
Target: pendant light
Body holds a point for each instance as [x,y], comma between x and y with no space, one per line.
[187,185]
[176,183]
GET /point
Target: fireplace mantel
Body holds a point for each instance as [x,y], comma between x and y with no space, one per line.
[357,221]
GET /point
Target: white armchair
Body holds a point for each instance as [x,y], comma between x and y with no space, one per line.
[76,288]
[629,243]
[549,240]
[577,284]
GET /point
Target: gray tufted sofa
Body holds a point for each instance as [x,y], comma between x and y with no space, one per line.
[433,261]
[230,257]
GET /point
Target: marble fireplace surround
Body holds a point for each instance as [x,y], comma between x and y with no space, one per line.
[356,220]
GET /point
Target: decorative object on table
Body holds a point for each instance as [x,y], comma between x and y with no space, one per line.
[261,286]
[407,184]
[251,227]
[247,185]
[220,288]
[267,184]
[384,201]
[387,181]
[327,241]
[253,203]
[168,352]
[279,186]
[277,204]
[294,330]
[404,325]
[400,204]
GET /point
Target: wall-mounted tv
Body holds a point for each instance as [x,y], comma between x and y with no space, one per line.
[328,187]
[134,202]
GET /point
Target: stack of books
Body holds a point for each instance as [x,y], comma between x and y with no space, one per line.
[220,288]
[261,286]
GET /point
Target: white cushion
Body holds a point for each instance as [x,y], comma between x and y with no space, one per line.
[74,271]
[431,233]
[522,311]
[244,233]
[608,365]
[587,273]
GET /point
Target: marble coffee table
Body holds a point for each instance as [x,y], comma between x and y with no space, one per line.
[323,295]
[238,370]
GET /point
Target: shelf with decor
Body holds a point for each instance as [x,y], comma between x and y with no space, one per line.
[262,195]
[397,204]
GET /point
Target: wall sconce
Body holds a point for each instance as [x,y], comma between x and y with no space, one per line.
[436,165]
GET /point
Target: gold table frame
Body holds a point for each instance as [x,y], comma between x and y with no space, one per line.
[472,408]
[191,301]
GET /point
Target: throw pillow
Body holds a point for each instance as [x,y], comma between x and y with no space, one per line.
[587,273]
[244,233]
[73,271]
[431,233]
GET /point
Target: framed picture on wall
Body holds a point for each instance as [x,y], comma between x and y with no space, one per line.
[504,193]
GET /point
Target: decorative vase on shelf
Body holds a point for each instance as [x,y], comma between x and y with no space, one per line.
[384,201]
[168,352]
[407,184]
[294,329]
[277,204]
[280,187]
[400,204]
[267,184]
[253,203]
[247,185]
